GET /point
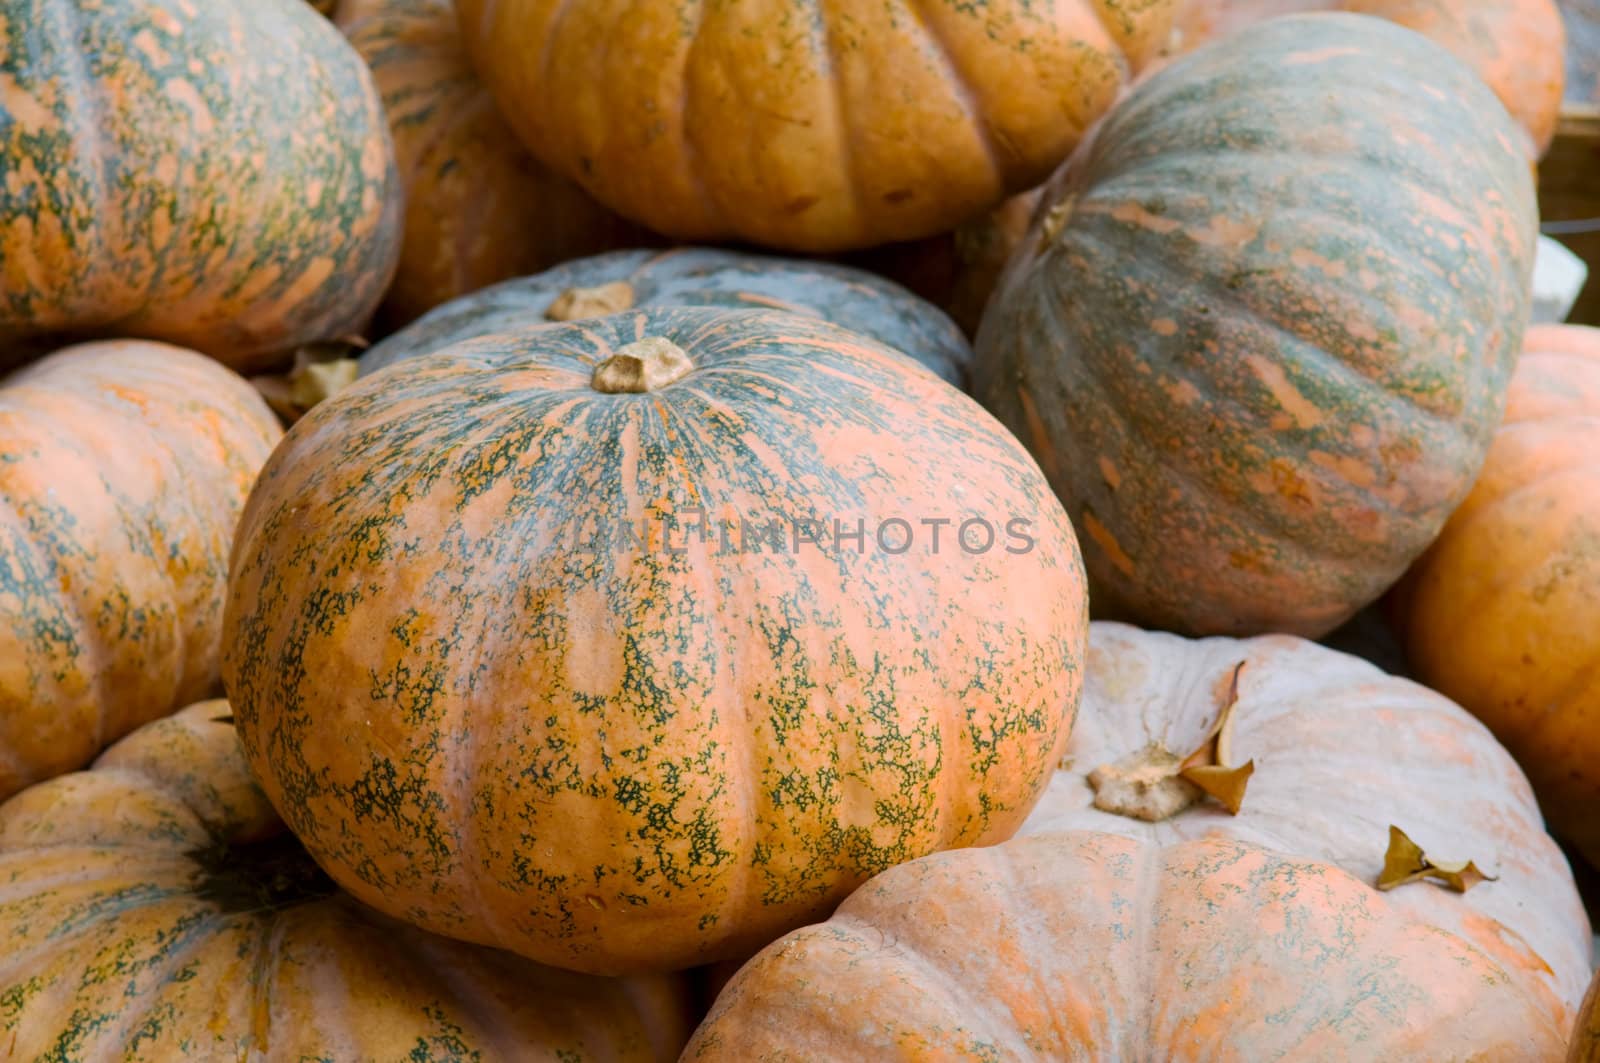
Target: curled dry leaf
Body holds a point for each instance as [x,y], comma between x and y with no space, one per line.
[1154,783]
[1406,862]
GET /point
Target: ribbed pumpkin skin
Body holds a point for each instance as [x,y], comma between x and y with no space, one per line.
[1503,611]
[123,469]
[216,175]
[1583,51]
[1092,936]
[140,921]
[848,125]
[1514,45]
[487,712]
[848,297]
[478,208]
[1260,335]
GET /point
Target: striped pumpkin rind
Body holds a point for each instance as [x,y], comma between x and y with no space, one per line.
[848,297]
[123,470]
[153,909]
[1260,333]
[502,685]
[217,175]
[479,210]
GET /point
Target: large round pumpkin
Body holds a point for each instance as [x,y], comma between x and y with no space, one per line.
[530,642]
[833,128]
[215,174]
[1516,46]
[1585,1044]
[1503,611]
[1260,333]
[623,280]
[1583,51]
[123,468]
[478,208]
[1205,936]
[155,909]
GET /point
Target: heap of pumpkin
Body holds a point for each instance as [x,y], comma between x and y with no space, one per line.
[645,649]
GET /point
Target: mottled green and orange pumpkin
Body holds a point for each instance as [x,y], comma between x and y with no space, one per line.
[217,175]
[1260,333]
[807,128]
[1503,611]
[1515,46]
[155,909]
[123,469]
[1583,51]
[692,276]
[1205,936]
[478,209]
[530,643]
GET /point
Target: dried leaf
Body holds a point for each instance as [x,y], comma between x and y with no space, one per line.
[310,384]
[1210,766]
[321,370]
[1406,862]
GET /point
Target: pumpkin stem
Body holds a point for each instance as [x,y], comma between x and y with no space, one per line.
[645,365]
[574,304]
[261,876]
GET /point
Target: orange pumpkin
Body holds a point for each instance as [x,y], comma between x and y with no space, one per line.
[1204,936]
[1503,612]
[1585,1046]
[839,128]
[155,909]
[123,468]
[516,653]
[216,175]
[478,208]
[1516,46]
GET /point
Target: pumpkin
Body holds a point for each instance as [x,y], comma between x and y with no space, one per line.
[216,175]
[123,469]
[958,270]
[624,280]
[1585,1046]
[1514,45]
[1503,611]
[155,909]
[478,209]
[627,644]
[838,129]
[1204,936]
[1261,377]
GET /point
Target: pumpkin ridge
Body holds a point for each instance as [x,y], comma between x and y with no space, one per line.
[965,92]
[87,135]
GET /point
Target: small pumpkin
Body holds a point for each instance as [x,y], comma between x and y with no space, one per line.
[1516,46]
[478,209]
[625,280]
[123,469]
[216,175]
[851,126]
[627,644]
[1204,936]
[1261,379]
[1503,611]
[155,909]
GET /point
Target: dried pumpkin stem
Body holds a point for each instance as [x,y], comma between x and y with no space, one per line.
[644,365]
[1154,783]
[575,304]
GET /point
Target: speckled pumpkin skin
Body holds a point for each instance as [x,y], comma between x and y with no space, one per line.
[1582,19]
[1206,937]
[216,175]
[487,711]
[1514,45]
[1503,611]
[154,909]
[1260,333]
[827,128]
[848,297]
[478,208]
[123,469]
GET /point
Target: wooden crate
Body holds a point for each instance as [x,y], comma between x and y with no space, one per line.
[1569,198]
